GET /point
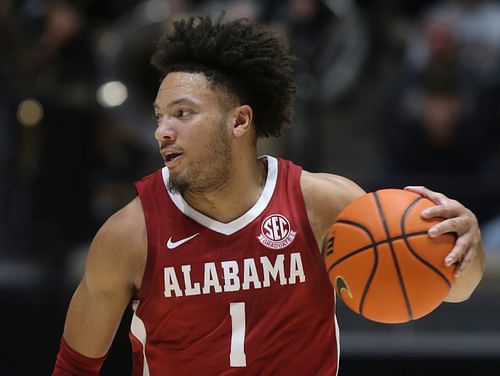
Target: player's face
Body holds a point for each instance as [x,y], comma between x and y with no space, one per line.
[193,132]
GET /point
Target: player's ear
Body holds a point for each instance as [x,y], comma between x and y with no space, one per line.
[243,116]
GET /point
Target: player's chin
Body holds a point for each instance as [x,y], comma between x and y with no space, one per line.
[177,185]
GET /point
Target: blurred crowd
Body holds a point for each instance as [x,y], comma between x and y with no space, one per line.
[440,119]
[421,78]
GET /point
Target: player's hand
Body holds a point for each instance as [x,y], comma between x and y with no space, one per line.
[457,219]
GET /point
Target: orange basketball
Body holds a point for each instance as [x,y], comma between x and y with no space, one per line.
[381,260]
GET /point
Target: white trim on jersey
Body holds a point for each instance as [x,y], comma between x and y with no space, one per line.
[138,330]
[239,223]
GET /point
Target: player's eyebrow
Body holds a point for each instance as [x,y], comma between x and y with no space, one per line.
[183,100]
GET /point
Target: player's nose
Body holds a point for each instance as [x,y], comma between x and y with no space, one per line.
[165,132]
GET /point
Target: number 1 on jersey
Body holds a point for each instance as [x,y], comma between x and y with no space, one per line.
[237,357]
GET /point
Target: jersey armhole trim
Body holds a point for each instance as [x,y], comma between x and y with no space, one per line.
[146,279]
[309,233]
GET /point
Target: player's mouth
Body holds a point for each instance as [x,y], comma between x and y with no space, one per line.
[171,158]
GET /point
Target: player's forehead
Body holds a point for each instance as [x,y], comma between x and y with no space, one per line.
[185,87]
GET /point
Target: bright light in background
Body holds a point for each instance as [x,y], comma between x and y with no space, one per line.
[112,94]
[29,112]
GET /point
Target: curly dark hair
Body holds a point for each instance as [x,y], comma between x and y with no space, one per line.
[242,58]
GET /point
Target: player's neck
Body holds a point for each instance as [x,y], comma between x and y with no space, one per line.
[234,197]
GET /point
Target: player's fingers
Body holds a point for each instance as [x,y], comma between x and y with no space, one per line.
[468,256]
[459,225]
[448,209]
[461,246]
[436,197]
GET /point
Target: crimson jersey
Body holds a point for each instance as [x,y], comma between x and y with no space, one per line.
[248,297]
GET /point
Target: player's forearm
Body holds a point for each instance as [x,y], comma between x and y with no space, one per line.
[466,283]
[92,320]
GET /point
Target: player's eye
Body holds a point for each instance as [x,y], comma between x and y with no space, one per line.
[182,113]
[157,117]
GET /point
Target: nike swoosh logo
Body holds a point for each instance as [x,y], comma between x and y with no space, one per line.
[171,244]
[341,284]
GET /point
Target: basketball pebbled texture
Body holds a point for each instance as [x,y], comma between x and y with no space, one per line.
[381,260]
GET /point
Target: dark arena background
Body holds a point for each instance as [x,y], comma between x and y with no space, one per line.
[392,93]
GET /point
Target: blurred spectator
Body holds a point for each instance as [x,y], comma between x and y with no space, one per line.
[474,25]
[440,143]
[329,39]
[435,128]
[431,131]
[48,77]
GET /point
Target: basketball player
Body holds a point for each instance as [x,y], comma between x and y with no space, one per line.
[219,256]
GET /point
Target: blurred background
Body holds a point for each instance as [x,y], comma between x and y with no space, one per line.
[392,93]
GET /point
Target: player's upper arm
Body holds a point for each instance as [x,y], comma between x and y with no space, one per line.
[325,195]
[114,268]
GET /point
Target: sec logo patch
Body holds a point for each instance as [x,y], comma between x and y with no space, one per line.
[276,232]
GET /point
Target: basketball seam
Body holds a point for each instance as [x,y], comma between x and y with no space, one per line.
[370,245]
[422,260]
[393,253]
[375,262]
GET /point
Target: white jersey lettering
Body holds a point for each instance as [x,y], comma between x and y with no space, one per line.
[189,288]
[231,279]
[270,270]
[255,273]
[170,282]
[211,278]
[296,269]
[250,274]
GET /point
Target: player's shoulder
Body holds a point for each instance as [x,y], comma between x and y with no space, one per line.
[325,195]
[333,191]
[126,224]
